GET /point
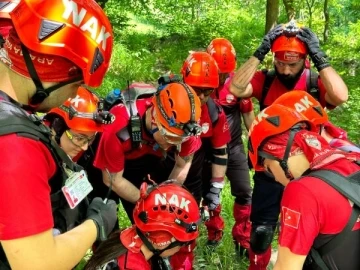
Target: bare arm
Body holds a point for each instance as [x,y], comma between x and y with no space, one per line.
[43,251]
[248,119]
[181,168]
[240,84]
[123,187]
[288,260]
[336,90]
[217,169]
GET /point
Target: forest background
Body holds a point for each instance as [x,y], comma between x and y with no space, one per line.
[153,37]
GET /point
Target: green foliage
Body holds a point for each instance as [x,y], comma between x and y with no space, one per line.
[153,37]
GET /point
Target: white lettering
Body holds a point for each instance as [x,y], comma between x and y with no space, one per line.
[91,25]
[174,200]
[75,101]
[303,104]
[262,115]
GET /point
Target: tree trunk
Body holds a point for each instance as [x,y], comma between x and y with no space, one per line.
[272,13]
[102,3]
[327,21]
[290,9]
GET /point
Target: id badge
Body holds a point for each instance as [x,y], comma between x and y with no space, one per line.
[76,188]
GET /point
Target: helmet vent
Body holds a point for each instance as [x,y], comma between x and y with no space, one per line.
[3,4]
[163,207]
[98,60]
[171,103]
[48,28]
[318,110]
[274,120]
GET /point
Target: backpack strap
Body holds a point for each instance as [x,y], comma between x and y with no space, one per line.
[269,78]
[312,84]
[213,110]
[348,186]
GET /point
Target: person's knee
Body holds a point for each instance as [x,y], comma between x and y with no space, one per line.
[261,237]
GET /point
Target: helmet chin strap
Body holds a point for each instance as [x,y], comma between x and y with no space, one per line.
[41,93]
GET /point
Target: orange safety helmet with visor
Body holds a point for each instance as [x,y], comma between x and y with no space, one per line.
[83,112]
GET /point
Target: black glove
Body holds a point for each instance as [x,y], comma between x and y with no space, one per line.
[104,215]
[312,42]
[212,198]
[268,40]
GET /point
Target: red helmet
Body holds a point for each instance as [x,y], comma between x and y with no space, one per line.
[271,121]
[224,54]
[200,70]
[76,30]
[167,207]
[78,113]
[177,108]
[304,103]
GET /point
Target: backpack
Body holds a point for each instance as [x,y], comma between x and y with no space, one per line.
[349,186]
[14,120]
[311,84]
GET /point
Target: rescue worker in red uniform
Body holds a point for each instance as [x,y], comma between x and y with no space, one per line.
[237,171]
[74,126]
[316,219]
[45,58]
[290,46]
[166,217]
[169,120]
[201,72]
[307,105]
[74,123]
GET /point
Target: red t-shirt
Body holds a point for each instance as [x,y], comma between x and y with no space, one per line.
[310,207]
[112,151]
[25,206]
[219,134]
[133,261]
[277,88]
[225,98]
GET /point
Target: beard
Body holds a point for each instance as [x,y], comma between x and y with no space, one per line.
[289,81]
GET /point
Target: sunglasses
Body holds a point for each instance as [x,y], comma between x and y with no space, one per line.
[205,91]
[79,140]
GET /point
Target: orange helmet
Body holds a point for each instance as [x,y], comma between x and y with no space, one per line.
[288,44]
[200,70]
[167,207]
[82,112]
[76,30]
[304,103]
[177,109]
[224,54]
[6,6]
[271,121]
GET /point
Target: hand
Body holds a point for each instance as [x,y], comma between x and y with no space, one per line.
[312,43]
[212,198]
[104,216]
[268,40]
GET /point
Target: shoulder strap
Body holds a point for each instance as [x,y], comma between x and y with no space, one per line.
[349,186]
[213,110]
[269,78]
[312,84]
[16,120]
